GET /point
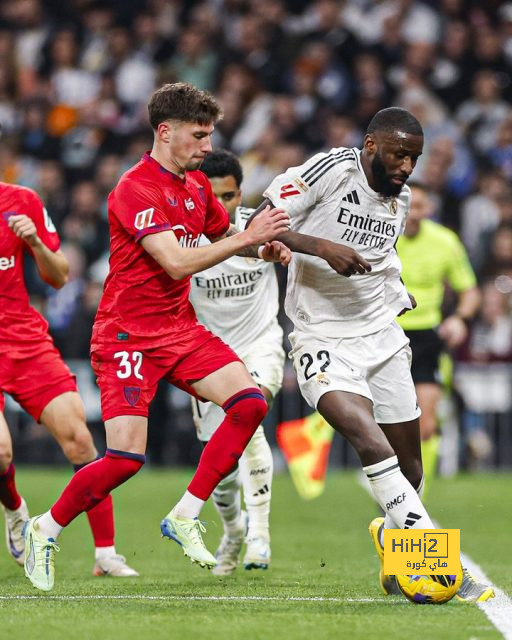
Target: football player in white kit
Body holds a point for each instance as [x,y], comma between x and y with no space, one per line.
[238,301]
[351,357]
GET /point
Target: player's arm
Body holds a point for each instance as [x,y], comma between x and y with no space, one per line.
[180,262]
[274,251]
[344,260]
[51,265]
[461,277]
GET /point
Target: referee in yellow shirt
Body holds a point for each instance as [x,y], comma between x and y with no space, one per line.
[433,257]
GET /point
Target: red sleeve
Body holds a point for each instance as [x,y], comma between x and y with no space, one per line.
[217,218]
[32,206]
[139,207]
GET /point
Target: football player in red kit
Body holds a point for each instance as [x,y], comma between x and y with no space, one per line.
[146,329]
[33,372]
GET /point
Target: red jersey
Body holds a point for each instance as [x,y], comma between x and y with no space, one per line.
[22,328]
[140,299]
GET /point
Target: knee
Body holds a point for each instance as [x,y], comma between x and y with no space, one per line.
[78,446]
[123,464]
[247,408]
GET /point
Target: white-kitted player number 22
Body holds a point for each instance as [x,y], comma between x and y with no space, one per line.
[125,365]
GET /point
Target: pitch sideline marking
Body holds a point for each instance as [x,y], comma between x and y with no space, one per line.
[497,609]
[192,598]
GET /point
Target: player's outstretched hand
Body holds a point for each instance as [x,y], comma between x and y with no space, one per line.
[24,228]
[344,260]
[267,225]
[276,252]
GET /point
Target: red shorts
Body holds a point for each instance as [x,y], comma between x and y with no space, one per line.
[35,379]
[128,373]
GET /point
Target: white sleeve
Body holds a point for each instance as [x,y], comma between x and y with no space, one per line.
[300,188]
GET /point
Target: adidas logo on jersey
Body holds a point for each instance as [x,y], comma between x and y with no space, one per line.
[351,197]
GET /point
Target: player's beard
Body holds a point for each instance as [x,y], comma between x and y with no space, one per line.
[381,178]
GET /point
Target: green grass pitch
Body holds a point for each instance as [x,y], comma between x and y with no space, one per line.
[321,549]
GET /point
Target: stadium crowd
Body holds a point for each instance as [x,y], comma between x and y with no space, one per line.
[293,77]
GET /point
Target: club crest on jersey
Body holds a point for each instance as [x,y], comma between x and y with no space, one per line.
[302,185]
[132,395]
[393,206]
[189,203]
[144,219]
[288,190]
[323,379]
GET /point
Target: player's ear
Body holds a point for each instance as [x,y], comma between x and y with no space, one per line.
[164,131]
[370,144]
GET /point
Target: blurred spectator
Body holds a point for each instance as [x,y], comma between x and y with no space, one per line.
[481,115]
[482,374]
[85,225]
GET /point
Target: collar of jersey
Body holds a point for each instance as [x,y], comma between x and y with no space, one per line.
[156,166]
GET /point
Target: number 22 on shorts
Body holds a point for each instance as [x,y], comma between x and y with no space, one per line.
[129,363]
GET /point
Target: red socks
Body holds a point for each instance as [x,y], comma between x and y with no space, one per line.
[244,413]
[94,482]
[101,517]
[9,495]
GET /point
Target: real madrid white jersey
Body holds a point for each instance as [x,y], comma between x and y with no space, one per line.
[329,197]
[238,299]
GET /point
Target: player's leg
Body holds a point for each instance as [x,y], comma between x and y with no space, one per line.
[232,388]
[265,361]
[125,400]
[392,411]
[426,347]
[226,496]
[429,395]
[124,457]
[213,372]
[14,507]
[256,469]
[352,416]
[64,417]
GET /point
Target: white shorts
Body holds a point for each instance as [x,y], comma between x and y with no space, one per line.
[265,363]
[376,366]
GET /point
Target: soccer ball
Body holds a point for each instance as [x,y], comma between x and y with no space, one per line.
[429,589]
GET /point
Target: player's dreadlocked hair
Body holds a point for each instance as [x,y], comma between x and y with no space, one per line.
[395,119]
[183,102]
[221,163]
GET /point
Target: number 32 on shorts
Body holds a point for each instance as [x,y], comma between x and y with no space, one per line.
[129,363]
[307,361]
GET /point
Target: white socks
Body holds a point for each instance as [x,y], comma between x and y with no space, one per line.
[226,499]
[101,553]
[396,495]
[256,470]
[48,527]
[188,507]
[388,520]
[255,474]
